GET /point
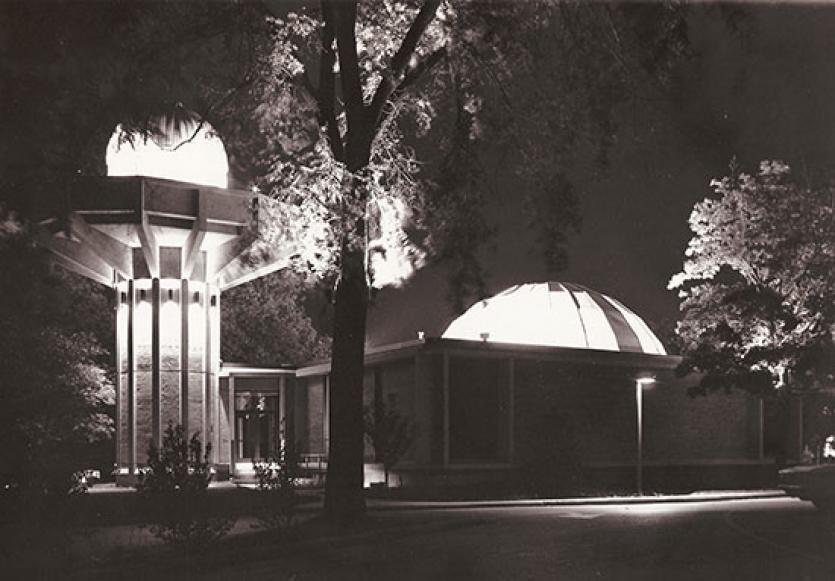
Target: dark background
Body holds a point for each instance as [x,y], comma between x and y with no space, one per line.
[760,88]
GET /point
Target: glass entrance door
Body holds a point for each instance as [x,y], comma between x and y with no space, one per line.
[256,426]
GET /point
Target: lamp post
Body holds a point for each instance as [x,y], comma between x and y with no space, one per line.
[640,382]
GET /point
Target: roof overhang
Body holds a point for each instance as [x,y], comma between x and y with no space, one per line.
[644,362]
[242,369]
[117,228]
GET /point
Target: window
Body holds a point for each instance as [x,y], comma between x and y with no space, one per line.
[478,410]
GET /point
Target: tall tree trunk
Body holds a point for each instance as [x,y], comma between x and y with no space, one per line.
[344,499]
[344,496]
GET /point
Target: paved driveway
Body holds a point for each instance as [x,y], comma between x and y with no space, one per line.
[768,539]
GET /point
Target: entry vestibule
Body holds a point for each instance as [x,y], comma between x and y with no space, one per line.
[256,412]
[257,433]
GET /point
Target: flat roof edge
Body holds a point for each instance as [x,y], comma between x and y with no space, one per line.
[229,368]
[394,351]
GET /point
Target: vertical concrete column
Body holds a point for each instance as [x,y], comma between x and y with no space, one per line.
[233,451]
[212,366]
[130,382]
[196,358]
[185,307]
[125,426]
[143,370]
[170,346]
[118,364]
[224,424]
[155,362]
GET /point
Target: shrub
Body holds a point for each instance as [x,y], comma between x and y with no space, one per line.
[390,434]
[277,490]
[174,492]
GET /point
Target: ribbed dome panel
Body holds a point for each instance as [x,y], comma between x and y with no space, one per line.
[556,314]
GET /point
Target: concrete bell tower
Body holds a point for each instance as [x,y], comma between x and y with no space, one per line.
[168,249]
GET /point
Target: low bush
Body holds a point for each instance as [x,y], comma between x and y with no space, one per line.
[389,433]
[278,490]
[173,491]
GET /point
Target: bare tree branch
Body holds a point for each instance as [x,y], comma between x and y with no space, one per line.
[343,17]
[193,135]
[407,48]
[411,77]
[399,63]
[213,107]
[414,73]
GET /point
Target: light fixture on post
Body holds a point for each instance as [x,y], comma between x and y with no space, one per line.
[640,383]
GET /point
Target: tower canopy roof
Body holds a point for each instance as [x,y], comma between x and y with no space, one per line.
[556,314]
[119,228]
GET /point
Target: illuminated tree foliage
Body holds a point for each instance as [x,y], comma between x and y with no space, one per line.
[55,390]
[375,127]
[758,283]
[378,122]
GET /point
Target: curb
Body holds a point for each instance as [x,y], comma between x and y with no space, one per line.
[386,504]
[395,505]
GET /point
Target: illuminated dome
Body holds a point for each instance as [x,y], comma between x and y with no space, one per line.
[191,152]
[556,314]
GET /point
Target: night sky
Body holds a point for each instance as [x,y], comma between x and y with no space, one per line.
[766,92]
